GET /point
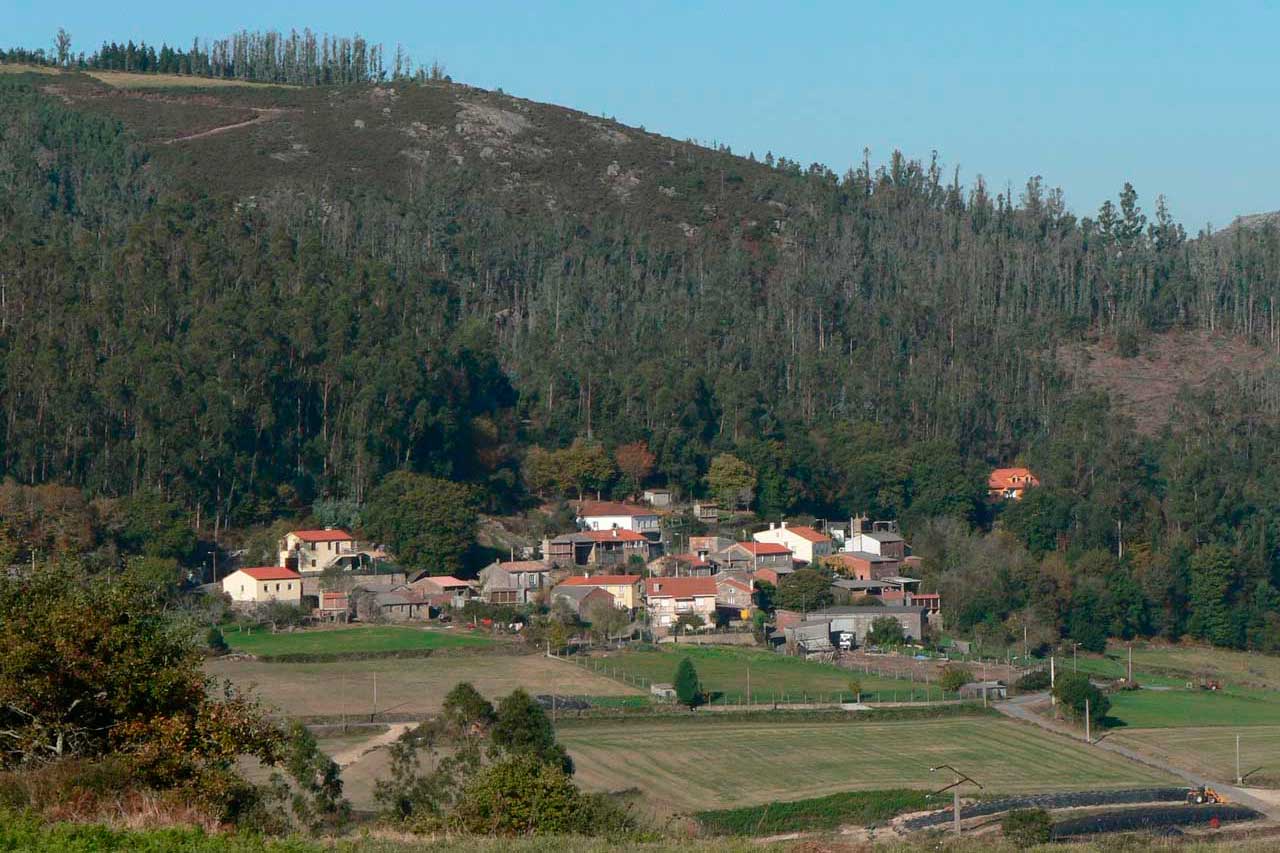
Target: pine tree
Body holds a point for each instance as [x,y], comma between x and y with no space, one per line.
[688,688]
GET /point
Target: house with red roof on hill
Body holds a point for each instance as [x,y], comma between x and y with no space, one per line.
[752,556]
[263,585]
[806,543]
[625,589]
[670,598]
[316,550]
[1010,483]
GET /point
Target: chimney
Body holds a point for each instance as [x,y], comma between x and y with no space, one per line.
[856,522]
[615,533]
[772,525]
[784,525]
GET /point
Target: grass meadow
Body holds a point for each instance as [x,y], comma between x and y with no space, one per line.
[696,763]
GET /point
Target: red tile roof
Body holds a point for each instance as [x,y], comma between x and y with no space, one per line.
[806,532]
[763,548]
[617,534]
[323,535]
[592,509]
[600,580]
[442,581]
[692,559]
[1011,478]
[679,587]
[272,573]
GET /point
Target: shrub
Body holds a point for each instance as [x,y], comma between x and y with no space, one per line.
[216,642]
[1027,827]
[954,676]
[1033,681]
[850,807]
[1071,691]
[524,796]
[885,631]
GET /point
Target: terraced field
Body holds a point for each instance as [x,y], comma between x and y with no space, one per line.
[695,763]
[725,672]
[1211,751]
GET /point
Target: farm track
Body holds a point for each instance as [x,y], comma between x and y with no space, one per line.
[1019,709]
[353,754]
[264,114]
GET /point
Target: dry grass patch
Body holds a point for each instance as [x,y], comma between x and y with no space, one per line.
[411,687]
[1211,750]
[127,80]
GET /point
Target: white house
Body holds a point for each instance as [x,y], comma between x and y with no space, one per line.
[806,543]
[315,550]
[608,515]
[264,584]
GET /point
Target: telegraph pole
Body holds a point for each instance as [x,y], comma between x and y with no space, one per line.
[1087,735]
[954,787]
[1239,779]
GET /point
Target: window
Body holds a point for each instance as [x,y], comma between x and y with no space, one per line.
[289,586]
[277,587]
[266,587]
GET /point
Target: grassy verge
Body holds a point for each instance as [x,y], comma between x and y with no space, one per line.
[726,673]
[371,639]
[856,808]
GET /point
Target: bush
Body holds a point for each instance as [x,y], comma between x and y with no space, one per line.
[216,642]
[1071,691]
[885,631]
[1027,827]
[1033,681]
[524,796]
[954,676]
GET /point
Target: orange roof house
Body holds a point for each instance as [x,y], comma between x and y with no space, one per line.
[1010,483]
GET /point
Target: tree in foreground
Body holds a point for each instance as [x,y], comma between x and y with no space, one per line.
[522,727]
[688,688]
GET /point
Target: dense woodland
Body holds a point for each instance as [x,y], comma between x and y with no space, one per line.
[876,345]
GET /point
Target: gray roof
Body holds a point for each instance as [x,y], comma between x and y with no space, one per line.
[849,583]
[577,593]
[899,579]
[882,535]
[853,610]
[874,558]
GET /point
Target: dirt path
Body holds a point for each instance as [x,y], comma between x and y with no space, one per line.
[1020,708]
[263,114]
[352,754]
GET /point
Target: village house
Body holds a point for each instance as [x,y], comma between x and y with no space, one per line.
[862,565]
[400,605]
[773,576]
[670,598]
[583,599]
[705,546]
[611,515]
[441,589]
[602,548]
[853,620]
[734,594]
[881,538]
[625,589]
[804,542]
[708,512]
[657,497]
[263,585]
[1010,483]
[334,607]
[514,582]
[753,556]
[316,550]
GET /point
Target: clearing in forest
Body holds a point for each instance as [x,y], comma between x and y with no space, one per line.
[129,80]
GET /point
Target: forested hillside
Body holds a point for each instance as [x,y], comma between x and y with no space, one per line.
[250,298]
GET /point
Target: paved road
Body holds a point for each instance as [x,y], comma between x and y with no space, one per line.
[1020,709]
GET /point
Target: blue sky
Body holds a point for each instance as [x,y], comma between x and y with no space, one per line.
[1179,98]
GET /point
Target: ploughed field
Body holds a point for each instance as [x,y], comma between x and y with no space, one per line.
[365,638]
[695,763]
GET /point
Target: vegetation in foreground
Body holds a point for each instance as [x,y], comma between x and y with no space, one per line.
[848,808]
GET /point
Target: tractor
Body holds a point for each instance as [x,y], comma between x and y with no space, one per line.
[1204,794]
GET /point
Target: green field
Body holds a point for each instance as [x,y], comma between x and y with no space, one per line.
[1176,665]
[1211,751]
[774,677]
[368,638]
[1146,709]
[701,762]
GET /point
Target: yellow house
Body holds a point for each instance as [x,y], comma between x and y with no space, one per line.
[263,585]
[625,589]
[315,550]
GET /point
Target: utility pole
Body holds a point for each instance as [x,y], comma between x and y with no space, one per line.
[1131,663]
[1024,642]
[375,694]
[954,787]
[1053,679]
[748,683]
[1239,779]
[1087,735]
[1075,661]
